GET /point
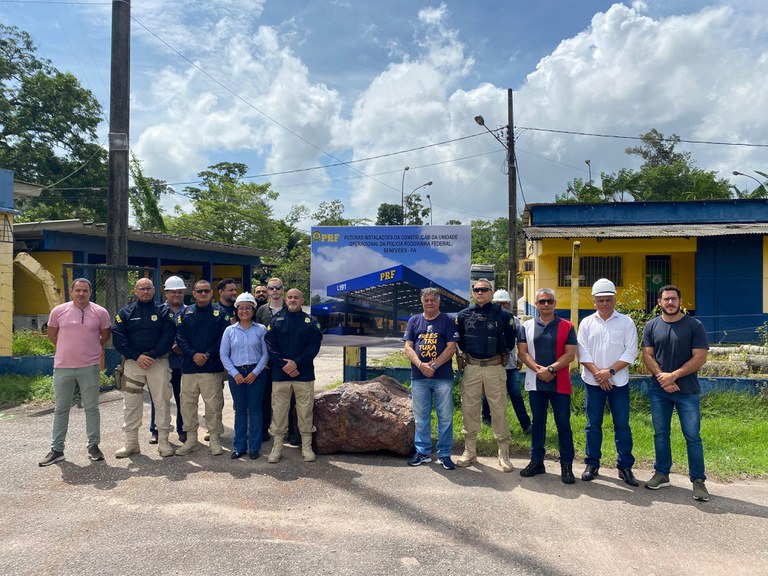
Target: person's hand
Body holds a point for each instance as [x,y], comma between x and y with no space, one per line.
[543,374]
[175,349]
[426,369]
[249,379]
[199,359]
[145,362]
[238,378]
[290,368]
[603,378]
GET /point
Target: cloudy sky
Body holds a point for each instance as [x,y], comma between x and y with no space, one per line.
[331,99]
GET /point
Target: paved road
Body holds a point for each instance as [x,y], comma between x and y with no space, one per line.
[347,514]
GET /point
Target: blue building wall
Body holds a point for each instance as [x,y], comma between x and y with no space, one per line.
[729,287]
[622,213]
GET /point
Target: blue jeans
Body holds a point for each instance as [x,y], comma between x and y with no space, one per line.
[518,404]
[248,419]
[618,400]
[176,385]
[423,390]
[561,410]
[689,411]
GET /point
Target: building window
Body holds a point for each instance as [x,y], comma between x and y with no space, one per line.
[592,268]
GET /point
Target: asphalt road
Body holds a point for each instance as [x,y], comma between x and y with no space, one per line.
[347,514]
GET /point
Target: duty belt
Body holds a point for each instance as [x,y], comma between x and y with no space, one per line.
[492,361]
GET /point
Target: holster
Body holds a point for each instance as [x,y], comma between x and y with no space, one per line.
[461,361]
[119,375]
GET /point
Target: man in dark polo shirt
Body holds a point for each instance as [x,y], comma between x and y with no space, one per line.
[547,345]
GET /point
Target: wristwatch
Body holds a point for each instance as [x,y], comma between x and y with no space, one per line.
[612,371]
[433,366]
[551,369]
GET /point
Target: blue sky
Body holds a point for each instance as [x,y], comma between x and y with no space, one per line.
[312,83]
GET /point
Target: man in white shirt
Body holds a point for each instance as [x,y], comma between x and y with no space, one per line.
[607,347]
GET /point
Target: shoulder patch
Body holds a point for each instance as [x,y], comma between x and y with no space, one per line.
[118,319]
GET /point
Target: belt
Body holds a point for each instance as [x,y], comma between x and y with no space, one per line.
[246,367]
[492,361]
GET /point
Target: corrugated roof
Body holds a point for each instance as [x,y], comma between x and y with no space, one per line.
[646,231]
[35,229]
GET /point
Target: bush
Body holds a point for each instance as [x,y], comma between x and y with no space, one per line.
[26,343]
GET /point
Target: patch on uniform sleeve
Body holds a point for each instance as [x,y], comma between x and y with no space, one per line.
[118,319]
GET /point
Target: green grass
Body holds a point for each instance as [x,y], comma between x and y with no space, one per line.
[15,389]
[26,343]
[734,428]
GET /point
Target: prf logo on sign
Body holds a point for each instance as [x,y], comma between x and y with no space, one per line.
[318,237]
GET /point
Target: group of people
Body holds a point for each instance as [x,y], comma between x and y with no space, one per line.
[262,344]
[485,337]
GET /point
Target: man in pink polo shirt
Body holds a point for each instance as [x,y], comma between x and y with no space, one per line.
[80,329]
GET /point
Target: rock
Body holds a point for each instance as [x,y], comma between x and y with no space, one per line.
[364,417]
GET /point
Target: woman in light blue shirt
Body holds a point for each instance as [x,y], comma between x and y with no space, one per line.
[244,355]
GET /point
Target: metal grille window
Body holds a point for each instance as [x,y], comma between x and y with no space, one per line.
[592,268]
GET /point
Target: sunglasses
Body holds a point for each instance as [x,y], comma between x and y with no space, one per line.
[274,287]
[481,290]
[145,288]
[546,301]
[203,291]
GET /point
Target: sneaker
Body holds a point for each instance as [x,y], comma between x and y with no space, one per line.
[700,492]
[51,458]
[446,462]
[95,454]
[417,459]
[659,480]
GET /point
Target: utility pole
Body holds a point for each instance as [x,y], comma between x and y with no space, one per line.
[512,184]
[119,119]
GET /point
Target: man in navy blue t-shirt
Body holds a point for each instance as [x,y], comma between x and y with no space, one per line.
[430,343]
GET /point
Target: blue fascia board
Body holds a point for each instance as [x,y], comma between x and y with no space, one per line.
[635,213]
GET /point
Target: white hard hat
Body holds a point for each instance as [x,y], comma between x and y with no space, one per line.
[501,296]
[245,297]
[603,287]
[174,283]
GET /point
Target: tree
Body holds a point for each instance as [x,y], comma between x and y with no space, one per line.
[48,134]
[389,215]
[490,245]
[229,210]
[657,150]
[453,223]
[144,198]
[580,192]
[415,212]
[332,214]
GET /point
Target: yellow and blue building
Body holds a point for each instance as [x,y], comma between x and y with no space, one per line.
[715,251]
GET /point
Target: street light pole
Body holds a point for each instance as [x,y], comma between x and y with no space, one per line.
[512,193]
[589,165]
[402,196]
[430,209]
[761,185]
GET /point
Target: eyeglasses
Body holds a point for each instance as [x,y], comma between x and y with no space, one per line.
[546,301]
[274,287]
[670,299]
[145,288]
[480,290]
[244,308]
[203,291]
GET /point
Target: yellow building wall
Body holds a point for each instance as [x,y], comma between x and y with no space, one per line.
[6,294]
[228,271]
[30,298]
[633,252]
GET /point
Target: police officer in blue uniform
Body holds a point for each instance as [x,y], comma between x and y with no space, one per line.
[143,332]
[293,340]
[199,332]
[486,335]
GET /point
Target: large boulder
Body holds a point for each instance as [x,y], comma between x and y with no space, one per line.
[364,417]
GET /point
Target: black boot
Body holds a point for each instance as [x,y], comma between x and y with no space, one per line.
[566,473]
[534,467]
[590,472]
